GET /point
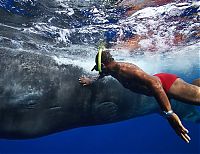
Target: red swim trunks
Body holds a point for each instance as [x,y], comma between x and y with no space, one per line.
[166,79]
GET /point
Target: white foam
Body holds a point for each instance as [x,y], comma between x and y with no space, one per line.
[85,59]
[61,35]
[179,60]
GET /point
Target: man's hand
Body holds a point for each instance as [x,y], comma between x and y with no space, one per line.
[180,130]
[85,81]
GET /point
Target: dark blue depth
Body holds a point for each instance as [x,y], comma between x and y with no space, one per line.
[150,134]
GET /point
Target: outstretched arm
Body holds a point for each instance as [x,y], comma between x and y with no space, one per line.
[154,84]
[165,105]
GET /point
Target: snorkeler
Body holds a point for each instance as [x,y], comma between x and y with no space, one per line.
[162,86]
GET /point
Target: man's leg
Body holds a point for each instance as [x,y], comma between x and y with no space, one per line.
[185,92]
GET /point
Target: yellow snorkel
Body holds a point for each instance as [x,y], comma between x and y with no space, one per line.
[100,49]
[98,66]
[99,60]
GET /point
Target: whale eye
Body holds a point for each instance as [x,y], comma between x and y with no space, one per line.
[105,112]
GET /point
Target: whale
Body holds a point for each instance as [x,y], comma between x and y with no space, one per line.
[39,97]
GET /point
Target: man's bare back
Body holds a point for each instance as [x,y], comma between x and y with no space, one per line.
[129,75]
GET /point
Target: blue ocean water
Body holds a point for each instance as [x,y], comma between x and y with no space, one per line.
[149,134]
[51,26]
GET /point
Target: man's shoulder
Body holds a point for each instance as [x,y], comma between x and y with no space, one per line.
[126,65]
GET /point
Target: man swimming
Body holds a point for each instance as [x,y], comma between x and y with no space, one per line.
[162,86]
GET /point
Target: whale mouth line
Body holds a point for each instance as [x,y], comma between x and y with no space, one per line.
[55,108]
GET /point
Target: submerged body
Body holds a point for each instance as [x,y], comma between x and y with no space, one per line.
[38,97]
